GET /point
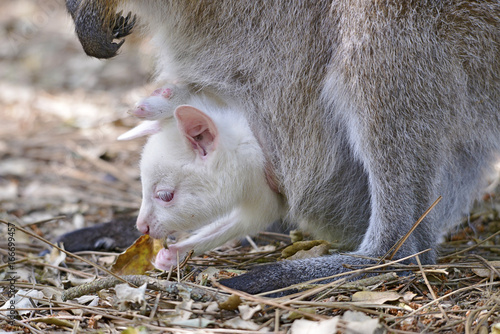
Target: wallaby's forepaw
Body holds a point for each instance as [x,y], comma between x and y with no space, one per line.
[168,258]
[161,103]
[122,25]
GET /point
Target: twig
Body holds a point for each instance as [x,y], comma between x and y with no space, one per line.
[20,323]
[267,301]
[471,247]
[400,243]
[95,265]
[43,221]
[487,264]
[431,290]
[423,307]
[138,280]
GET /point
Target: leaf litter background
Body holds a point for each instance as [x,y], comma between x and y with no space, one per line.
[61,168]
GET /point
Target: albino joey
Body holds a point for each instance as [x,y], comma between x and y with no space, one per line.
[202,172]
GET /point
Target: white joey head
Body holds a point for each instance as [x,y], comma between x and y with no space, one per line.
[202,173]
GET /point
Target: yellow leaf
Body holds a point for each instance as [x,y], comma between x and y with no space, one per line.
[138,258]
[302,246]
[231,303]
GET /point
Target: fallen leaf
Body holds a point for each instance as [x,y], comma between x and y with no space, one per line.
[238,323]
[55,257]
[231,303]
[315,327]
[93,300]
[196,322]
[485,272]
[138,330]
[207,275]
[212,307]
[182,310]
[301,246]
[247,312]
[54,321]
[358,322]
[22,299]
[52,293]
[127,294]
[316,251]
[296,315]
[138,258]
[408,296]
[375,297]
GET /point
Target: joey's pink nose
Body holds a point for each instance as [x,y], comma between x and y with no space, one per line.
[143,227]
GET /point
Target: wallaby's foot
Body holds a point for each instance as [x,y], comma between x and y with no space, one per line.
[118,234]
[286,273]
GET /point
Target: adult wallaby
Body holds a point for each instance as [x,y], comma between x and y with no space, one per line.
[367,111]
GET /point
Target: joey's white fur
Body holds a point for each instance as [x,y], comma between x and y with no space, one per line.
[218,182]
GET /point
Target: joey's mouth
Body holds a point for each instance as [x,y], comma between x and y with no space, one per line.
[176,237]
[171,238]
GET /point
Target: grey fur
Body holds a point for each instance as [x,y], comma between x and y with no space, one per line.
[366,110]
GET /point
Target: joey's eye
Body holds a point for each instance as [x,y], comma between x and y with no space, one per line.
[164,195]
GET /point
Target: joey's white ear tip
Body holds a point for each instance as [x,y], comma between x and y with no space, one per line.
[123,136]
[144,129]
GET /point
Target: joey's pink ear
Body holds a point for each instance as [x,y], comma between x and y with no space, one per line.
[198,128]
[143,129]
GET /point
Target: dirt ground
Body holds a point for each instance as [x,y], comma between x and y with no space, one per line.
[61,168]
[61,113]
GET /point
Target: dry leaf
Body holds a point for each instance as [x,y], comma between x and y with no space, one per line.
[315,327]
[22,300]
[127,294]
[138,330]
[301,246]
[375,297]
[91,299]
[247,312]
[358,322]
[55,257]
[316,251]
[231,303]
[296,315]
[408,296]
[238,323]
[196,322]
[207,275]
[54,321]
[485,272]
[138,258]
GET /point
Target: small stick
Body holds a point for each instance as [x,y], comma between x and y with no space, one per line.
[429,286]
[400,243]
[267,301]
[95,265]
[471,247]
